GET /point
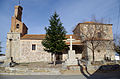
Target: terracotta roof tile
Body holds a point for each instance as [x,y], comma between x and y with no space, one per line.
[74,43]
[40,36]
[89,22]
[33,37]
[68,36]
[98,39]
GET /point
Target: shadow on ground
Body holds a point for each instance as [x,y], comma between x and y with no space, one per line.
[103,72]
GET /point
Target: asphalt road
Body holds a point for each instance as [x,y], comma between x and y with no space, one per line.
[60,77]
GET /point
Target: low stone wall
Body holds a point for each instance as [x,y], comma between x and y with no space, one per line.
[73,67]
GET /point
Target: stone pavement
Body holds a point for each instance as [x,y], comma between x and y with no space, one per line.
[50,69]
[111,75]
[40,68]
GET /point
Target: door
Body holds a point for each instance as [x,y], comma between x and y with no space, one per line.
[59,56]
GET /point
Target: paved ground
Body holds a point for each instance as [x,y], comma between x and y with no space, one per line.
[59,77]
[96,75]
[38,65]
[53,73]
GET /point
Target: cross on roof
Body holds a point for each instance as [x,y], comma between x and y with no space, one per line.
[70,42]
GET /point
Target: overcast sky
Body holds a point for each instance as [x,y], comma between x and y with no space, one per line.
[36,14]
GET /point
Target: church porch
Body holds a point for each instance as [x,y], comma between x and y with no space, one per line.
[77,46]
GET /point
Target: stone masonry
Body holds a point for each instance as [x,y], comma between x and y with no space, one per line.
[25,48]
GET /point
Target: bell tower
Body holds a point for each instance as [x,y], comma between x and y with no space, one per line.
[17,26]
[18,12]
[18,29]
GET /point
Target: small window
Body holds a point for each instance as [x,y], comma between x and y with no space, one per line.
[98,50]
[33,47]
[99,35]
[17,26]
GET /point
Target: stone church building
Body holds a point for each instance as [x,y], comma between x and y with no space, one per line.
[24,47]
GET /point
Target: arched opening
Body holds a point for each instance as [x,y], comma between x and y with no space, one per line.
[17,26]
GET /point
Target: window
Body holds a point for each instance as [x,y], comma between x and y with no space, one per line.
[33,47]
[98,50]
[98,27]
[17,26]
[99,35]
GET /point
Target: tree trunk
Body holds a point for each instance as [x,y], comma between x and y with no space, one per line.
[93,52]
[93,56]
[54,60]
[52,57]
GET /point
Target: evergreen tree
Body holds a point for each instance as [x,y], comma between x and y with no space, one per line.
[55,36]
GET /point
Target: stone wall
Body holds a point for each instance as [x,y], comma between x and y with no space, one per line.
[84,31]
[13,46]
[65,56]
[29,55]
[102,51]
[79,56]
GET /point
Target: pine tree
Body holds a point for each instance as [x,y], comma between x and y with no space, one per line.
[55,36]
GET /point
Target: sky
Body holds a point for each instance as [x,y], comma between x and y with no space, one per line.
[36,14]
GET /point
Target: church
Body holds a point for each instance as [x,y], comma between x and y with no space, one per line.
[93,41]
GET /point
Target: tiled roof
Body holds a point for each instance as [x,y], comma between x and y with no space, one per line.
[33,37]
[40,36]
[89,22]
[74,43]
[98,39]
[68,36]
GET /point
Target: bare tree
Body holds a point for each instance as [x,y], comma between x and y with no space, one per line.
[117,49]
[93,34]
[117,44]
